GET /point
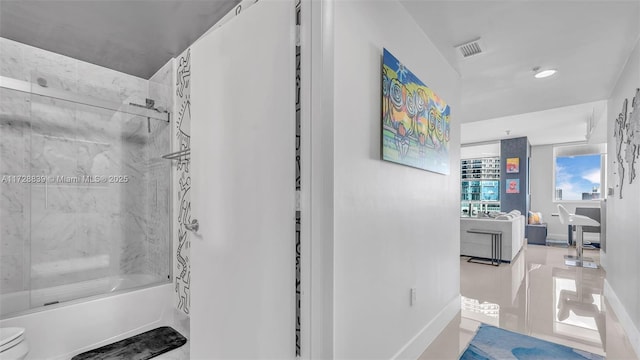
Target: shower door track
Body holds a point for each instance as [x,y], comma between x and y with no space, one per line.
[35,89]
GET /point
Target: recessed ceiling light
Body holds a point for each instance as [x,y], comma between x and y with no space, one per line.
[540,74]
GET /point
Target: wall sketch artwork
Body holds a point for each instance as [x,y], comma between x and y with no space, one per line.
[627,136]
[632,150]
[298,185]
[619,130]
[513,186]
[184,74]
[183,137]
[415,120]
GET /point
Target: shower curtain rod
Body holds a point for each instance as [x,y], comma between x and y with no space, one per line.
[36,89]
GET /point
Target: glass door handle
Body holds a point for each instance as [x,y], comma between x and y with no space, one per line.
[194,226]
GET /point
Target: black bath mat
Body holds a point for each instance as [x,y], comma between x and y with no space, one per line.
[139,347]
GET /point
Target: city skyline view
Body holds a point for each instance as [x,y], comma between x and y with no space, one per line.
[576,175]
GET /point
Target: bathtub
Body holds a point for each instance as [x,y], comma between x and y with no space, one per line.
[32,300]
[62,330]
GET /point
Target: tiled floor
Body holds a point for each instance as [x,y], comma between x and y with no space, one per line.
[539,296]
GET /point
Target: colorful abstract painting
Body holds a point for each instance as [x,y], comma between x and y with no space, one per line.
[513,165]
[415,120]
[513,186]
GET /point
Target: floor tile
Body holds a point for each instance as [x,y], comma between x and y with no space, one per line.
[537,295]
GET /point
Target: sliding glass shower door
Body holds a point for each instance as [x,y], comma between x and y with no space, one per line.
[85,195]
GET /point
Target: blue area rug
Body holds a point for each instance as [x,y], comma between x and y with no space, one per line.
[492,343]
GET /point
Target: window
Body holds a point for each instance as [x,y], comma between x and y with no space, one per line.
[579,173]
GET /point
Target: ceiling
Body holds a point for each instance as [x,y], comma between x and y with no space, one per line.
[553,126]
[134,37]
[588,42]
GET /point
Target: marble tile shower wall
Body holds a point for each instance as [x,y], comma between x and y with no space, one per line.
[65,232]
[14,224]
[159,179]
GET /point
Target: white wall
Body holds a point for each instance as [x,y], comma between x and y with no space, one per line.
[181,191]
[541,176]
[243,189]
[317,128]
[480,151]
[395,227]
[623,215]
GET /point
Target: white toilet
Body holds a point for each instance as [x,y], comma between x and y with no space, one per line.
[13,345]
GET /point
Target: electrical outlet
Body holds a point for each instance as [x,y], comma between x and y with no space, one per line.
[413,298]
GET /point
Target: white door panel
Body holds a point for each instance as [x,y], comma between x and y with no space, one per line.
[243,135]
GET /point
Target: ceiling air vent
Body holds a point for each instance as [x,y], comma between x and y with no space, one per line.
[470,48]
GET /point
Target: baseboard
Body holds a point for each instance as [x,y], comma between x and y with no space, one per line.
[562,237]
[603,259]
[625,320]
[419,343]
